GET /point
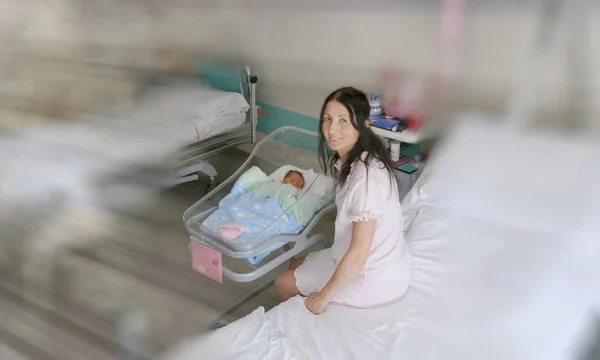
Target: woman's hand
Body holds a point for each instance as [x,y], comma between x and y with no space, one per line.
[316,303]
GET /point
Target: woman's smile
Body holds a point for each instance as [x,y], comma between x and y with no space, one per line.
[338,130]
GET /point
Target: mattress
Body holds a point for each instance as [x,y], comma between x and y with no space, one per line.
[163,121]
[125,140]
[487,283]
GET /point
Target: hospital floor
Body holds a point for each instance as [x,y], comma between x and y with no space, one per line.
[73,301]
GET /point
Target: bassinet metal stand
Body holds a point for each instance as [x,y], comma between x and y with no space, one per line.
[217,322]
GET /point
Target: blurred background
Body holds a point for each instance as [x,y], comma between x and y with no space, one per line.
[61,55]
[64,291]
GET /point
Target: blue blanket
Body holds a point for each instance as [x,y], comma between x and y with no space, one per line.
[261,215]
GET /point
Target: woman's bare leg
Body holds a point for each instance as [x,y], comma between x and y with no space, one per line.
[286,282]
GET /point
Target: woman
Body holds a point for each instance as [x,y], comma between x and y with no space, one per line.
[369,264]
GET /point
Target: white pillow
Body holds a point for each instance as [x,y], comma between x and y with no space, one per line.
[321,184]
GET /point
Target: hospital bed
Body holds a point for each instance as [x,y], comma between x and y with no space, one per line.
[505,265]
[232,126]
[174,125]
[287,148]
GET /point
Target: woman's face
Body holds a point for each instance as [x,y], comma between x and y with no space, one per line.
[338,130]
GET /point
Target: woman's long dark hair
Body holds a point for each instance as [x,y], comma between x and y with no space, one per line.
[357,104]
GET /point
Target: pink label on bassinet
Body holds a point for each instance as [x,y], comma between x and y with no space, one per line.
[207,261]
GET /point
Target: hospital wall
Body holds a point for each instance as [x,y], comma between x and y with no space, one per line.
[60,55]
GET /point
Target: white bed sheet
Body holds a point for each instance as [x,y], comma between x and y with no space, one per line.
[483,287]
[217,124]
[289,331]
[187,110]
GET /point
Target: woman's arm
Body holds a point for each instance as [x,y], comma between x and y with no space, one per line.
[348,268]
[354,259]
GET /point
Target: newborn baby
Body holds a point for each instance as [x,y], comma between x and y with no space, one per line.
[268,188]
[294,178]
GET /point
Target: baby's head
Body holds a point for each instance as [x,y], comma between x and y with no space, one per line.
[294,178]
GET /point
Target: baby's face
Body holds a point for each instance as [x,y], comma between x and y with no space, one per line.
[294,179]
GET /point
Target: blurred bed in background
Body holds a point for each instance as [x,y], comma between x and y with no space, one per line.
[69,187]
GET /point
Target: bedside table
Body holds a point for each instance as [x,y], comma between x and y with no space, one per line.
[406,136]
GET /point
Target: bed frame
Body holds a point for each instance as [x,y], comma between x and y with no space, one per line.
[192,160]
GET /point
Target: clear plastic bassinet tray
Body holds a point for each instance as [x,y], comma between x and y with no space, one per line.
[276,197]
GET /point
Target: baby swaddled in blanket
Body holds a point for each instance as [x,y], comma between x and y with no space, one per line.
[252,205]
[259,208]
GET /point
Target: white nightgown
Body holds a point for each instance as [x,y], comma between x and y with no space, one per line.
[386,275]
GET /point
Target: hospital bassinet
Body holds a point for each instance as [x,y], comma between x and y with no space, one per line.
[284,149]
